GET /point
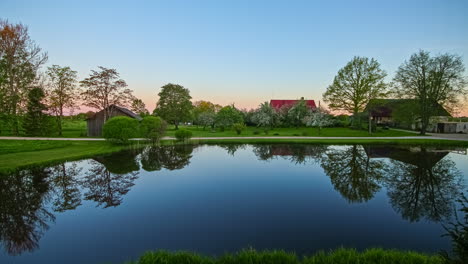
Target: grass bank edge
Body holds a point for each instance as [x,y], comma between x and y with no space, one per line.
[250,256]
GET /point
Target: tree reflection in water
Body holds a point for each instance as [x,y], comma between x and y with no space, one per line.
[422,184]
[353,173]
[23,214]
[65,185]
[110,178]
[173,157]
[296,153]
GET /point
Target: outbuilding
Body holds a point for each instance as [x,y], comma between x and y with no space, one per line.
[96,121]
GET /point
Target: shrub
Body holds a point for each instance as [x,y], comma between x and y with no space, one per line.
[256,132]
[276,134]
[120,129]
[153,128]
[238,127]
[183,134]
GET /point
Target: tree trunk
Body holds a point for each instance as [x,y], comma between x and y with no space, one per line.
[370,124]
[59,122]
[176,124]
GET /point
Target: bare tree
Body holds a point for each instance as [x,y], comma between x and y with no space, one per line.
[62,91]
[20,60]
[104,88]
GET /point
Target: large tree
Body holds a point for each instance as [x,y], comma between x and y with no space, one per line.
[354,85]
[62,91]
[104,88]
[265,116]
[228,116]
[431,81]
[174,104]
[35,121]
[20,60]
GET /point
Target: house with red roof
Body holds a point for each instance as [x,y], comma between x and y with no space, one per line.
[278,104]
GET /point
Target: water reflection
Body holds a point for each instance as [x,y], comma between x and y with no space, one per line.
[173,157]
[420,182]
[23,214]
[353,173]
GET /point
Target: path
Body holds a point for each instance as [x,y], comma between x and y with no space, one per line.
[459,137]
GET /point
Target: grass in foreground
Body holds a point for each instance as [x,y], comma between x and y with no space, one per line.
[16,154]
[345,256]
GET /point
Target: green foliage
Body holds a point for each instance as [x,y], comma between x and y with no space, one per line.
[443,82]
[228,116]
[153,128]
[238,127]
[120,129]
[139,107]
[174,104]
[250,256]
[355,84]
[183,134]
[36,122]
[297,113]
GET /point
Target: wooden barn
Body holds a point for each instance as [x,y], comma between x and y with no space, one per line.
[96,122]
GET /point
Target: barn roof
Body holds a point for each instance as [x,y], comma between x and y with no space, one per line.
[121,109]
[385,107]
[277,104]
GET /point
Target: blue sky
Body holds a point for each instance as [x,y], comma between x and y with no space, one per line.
[242,52]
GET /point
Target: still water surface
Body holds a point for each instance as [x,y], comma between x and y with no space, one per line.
[216,199]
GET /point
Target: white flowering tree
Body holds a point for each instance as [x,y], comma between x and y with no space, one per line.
[265,116]
[318,117]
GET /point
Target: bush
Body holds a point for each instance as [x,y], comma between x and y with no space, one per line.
[153,128]
[183,134]
[238,127]
[256,132]
[120,129]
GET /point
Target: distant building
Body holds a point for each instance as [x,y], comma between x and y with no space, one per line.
[96,121]
[278,104]
[403,113]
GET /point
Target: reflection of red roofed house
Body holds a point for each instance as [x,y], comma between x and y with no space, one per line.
[278,104]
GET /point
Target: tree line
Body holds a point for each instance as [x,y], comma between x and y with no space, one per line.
[36,100]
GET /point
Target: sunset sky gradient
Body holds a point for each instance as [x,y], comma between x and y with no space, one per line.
[242,52]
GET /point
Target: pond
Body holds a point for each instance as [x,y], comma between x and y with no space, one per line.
[213,199]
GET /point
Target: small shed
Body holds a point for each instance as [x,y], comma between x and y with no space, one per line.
[452,127]
[96,121]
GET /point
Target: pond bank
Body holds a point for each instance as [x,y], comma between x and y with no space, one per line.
[17,153]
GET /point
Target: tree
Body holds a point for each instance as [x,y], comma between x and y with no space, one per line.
[62,91]
[355,84]
[139,107]
[228,116]
[265,116]
[431,81]
[206,119]
[318,118]
[174,104]
[20,60]
[297,113]
[103,88]
[153,128]
[35,121]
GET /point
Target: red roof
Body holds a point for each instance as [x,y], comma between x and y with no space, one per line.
[277,104]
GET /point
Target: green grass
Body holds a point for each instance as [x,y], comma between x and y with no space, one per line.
[340,256]
[16,154]
[291,132]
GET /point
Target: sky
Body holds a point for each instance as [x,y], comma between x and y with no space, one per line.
[241,52]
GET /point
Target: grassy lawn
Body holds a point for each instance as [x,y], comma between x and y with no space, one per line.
[291,132]
[20,153]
